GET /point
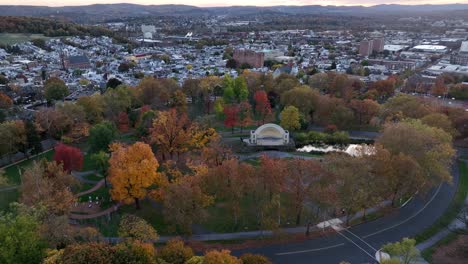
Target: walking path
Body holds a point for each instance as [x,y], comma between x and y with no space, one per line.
[96,187]
[9,188]
[259,233]
[107,212]
[98,184]
[80,175]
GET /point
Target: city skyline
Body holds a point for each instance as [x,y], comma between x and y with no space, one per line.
[215,3]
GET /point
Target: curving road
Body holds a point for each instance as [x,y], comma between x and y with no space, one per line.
[359,243]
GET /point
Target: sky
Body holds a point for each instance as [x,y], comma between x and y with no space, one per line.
[205,3]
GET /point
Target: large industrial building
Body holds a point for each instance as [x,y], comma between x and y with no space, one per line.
[461,57]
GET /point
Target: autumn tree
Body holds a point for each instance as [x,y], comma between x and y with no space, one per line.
[401,106]
[92,253]
[93,108]
[191,87]
[123,122]
[245,114]
[229,181]
[178,100]
[290,118]
[176,252]
[134,252]
[185,202]
[384,88]
[132,170]
[441,121]
[262,105]
[364,110]
[116,101]
[55,89]
[439,88]
[52,122]
[69,157]
[430,147]
[46,183]
[304,98]
[208,87]
[284,82]
[12,137]
[332,110]
[153,92]
[224,256]
[254,259]
[231,113]
[5,101]
[173,133]
[134,227]
[305,178]
[75,118]
[357,187]
[401,174]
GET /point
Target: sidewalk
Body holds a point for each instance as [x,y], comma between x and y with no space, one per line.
[258,233]
[456,224]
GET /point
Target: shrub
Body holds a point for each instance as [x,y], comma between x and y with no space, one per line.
[175,252]
[254,259]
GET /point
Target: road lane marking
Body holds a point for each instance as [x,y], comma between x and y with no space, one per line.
[354,243]
[309,250]
[361,239]
[408,219]
[366,236]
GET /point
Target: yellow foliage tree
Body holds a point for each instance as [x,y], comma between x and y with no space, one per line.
[132,171]
[290,118]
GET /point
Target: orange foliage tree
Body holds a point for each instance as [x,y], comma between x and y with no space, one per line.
[173,133]
[132,171]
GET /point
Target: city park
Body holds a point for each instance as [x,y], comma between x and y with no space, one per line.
[235,162]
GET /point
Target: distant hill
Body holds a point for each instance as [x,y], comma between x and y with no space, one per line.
[101,12]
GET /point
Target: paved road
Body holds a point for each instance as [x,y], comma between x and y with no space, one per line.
[417,215]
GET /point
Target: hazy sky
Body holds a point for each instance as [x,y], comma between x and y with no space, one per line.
[227,2]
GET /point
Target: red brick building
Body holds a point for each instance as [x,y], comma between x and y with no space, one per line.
[253,58]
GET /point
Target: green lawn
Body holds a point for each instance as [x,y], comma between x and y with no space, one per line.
[148,212]
[453,209]
[14,38]
[7,197]
[88,164]
[12,172]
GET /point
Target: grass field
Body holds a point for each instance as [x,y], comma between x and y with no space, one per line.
[14,38]
[12,172]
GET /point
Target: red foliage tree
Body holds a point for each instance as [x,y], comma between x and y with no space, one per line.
[124,122]
[144,109]
[262,105]
[231,113]
[70,157]
[5,101]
